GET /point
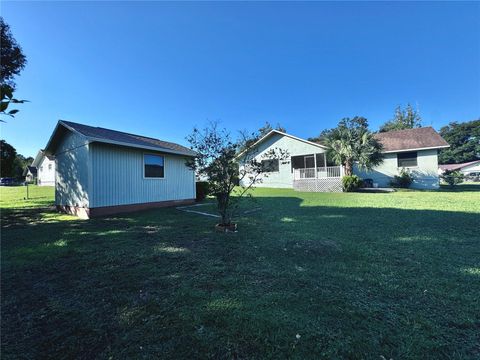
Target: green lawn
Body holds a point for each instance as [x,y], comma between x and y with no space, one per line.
[311,275]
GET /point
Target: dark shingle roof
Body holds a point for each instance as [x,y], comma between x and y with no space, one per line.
[126,139]
[411,139]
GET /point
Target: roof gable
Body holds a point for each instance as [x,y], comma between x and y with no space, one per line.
[98,134]
[273,132]
[411,139]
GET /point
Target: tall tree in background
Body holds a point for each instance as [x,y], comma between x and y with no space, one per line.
[8,154]
[12,62]
[464,140]
[351,142]
[264,130]
[407,118]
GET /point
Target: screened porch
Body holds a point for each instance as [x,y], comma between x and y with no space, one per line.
[314,166]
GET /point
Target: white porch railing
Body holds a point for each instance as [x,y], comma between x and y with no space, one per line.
[319,172]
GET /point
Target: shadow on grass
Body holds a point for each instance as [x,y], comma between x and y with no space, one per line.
[352,282]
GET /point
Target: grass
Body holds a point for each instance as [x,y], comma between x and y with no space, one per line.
[312,275]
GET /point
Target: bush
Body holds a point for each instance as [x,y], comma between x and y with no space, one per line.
[351,183]
[452,177]
[202,190]
[403,180]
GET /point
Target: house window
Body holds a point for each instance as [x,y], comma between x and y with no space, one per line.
[49,166]
[41,168]
[407,159]
[154,166]
[270,165]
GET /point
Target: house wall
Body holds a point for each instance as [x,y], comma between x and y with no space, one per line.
[471,168]
[117,178]
[71,160]
[284,177]
[425,174]
[46,172]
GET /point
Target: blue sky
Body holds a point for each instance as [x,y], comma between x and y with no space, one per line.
[158,69]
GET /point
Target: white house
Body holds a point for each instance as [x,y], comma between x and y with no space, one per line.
[45,165]
[415,150]
[306,168]
[467,169]
[101,171]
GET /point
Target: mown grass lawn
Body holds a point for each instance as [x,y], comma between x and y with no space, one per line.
[310,276]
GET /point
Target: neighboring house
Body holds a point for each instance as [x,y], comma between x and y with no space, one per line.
[415,150]
[306,168]
[298,170]
[101,171]
[45,165]
[467,169]
[30,173]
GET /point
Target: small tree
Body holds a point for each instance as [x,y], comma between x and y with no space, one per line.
[229,165]
[351,142]
[452,177]
[407,118]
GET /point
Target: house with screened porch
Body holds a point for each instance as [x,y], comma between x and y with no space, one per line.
[306,167]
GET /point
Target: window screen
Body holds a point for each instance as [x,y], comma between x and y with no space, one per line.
[407,159]
[270,165]
[153,166]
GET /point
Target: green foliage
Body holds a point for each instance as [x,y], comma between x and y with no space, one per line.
[403,180]
[202,190]
[264,130]
[464,141]
[227,163]
[351,142]
[11,163]
[355,275]
[351,183]
[407,118]
[8,154]
[452,177]
[12,63]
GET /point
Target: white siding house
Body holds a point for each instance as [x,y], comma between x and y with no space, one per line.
[45,165]
[303,169]
[102,171]
[468,168]
[306,168]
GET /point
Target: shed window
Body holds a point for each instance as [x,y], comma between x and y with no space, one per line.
[407,159]
[154,166]
[270,165]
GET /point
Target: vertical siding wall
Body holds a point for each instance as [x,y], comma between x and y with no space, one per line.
[284,177]
[425,175]
[71,166]
[117,177]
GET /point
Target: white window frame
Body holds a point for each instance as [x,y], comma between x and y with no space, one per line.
[164,166]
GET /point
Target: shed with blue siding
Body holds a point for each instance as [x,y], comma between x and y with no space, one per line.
[101,171]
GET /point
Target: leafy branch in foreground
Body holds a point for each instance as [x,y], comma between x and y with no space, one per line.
[232,166]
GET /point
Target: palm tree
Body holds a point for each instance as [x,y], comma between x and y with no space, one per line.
[351,142]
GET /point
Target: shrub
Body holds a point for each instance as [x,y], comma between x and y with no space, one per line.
[403,180]
[351,183]
[202,190]
[452,177]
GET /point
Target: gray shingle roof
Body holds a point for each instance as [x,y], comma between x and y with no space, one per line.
[411,139]
[126,139]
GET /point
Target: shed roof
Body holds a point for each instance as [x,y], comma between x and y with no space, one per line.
[98,134]
[411,139]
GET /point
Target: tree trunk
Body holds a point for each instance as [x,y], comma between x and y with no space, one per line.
[348,168]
